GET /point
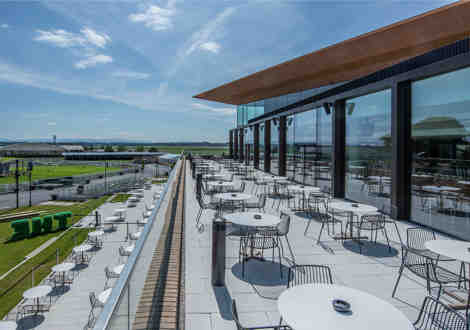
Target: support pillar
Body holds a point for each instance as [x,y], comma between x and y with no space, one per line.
[256,146]
[282,146]
[267,146]
[339,149]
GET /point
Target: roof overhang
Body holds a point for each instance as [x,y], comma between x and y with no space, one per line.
[351,59]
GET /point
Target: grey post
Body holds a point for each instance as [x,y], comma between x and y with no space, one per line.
[218,253]
[198,184]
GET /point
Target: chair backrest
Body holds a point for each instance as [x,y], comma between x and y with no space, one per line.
[284,225]
[122,252]
[242,187]
[434,315]
[92,299]
[262,201]
[235,316]
[306,274]
[377,219]
[416,237]
[107,272]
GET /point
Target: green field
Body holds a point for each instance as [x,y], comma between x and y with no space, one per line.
[193,149]
[50,172]
[120,198]
[11,253]
[20,279]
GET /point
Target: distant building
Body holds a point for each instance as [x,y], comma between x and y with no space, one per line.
[149,156]
[76,148]
[31,150]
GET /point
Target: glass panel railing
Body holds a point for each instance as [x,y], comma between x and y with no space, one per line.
[120,308]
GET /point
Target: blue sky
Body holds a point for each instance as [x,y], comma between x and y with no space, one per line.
[128,70]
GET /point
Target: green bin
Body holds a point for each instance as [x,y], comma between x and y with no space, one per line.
[36,226]
[47,223]
[20,229]
[62,217]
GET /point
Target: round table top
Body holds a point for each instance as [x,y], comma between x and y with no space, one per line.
[136,234]
[132,199]
[82,248]
[103,296]
[112,218]
[129,248]
[63,267]
[248,219]
[37,292]
[8,325]
[96,233]
[422,175]
[211,176]
[357,167]
[310,307]
[450,248]
[348,207]
[118,269]
[233,196]
[303,188]
[441,188]
[221,184]
[121,210]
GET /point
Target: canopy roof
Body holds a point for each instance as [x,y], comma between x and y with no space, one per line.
[351,59]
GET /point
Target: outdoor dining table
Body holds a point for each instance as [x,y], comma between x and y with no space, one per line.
[232,198]
[36,293]
[118,269]
[303,190]
[103,296]
[121,213]
[82,249]
[252,221]
[220,186]
[310,306]
[458,250]
[95,235]
[352,209]
[62,269]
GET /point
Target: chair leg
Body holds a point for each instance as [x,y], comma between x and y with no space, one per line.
[198,217]
[290,249]
[384,230]
[321,230]
[398,280]
[308,225]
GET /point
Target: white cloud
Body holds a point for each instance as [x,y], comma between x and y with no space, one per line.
[130,75]
[201,39]
[95,38]
[162,89]
[155,17]
[51,123]
[210,46]
[60,38]
[64,39]
[93,61]
[4,26]
[219,111]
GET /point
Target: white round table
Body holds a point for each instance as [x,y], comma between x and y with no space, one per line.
[8,325]
[450,248]
[103,296]
[248,219]
[95,235]
[121,213]
[118,269]
[82,249]
[129,248]
[358,209]
[62,269]
[36,293]
[236,197]
[220,185]
[136,235]
[307,307]
[112,218]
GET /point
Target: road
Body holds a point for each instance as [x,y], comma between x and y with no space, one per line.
[8,201]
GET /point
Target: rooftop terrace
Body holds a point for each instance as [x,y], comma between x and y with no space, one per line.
[167,281]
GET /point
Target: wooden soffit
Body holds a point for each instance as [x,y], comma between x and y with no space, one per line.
[351,59]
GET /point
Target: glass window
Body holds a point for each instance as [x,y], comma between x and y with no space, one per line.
[275,146]
[303,147]
[441,152]
[249,155]
[368,148]
[290,143]
[261,146]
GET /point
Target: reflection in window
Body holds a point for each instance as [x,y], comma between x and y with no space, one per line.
[249,155]
[368,148]
[261,146]
[440,132]
[275,146]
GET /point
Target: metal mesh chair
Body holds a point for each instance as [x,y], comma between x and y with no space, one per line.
[434,315]
[260,204]
[425,268]
[326,218]
[415,239]
[241,327]
[305,274]
[372,223]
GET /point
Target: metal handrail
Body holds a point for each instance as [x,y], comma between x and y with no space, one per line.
[120,286]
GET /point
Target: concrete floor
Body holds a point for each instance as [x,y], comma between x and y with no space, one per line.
[207,307]
[71,306]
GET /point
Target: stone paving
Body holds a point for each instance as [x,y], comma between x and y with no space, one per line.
[207,307]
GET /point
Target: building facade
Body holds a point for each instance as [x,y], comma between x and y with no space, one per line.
[397,138]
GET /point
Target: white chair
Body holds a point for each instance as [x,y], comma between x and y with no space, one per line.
[125,251]
[142,222]
[94,303]
[135,236]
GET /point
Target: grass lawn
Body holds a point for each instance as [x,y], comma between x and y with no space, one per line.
[120,198]
[11,253]
[6,159]
[21,279]
[193,149]
[49,172]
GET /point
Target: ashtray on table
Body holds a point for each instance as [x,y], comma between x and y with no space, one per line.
[257,216]
[355,205]
[341,306]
